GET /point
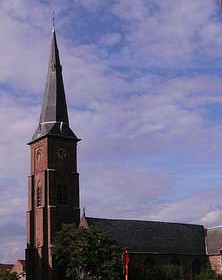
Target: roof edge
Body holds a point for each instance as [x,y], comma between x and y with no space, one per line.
[136,220]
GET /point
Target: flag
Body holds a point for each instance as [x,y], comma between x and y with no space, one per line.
[125,258]
[125,261]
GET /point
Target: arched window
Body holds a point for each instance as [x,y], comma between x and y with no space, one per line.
[39,196]
[62,194]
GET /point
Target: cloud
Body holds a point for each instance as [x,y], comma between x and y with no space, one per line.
[213,218]
[12,250]
[169,33]
[198,207]
[111,40]
[120,190]
[139,91]
[91,4]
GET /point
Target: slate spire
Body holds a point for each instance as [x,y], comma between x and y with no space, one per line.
[54,116]
[54,103]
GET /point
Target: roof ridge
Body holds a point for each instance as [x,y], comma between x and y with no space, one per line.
[151,221]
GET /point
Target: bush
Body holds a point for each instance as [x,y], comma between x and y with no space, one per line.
[8,276]
[207,274]
[163,272]
[86,254]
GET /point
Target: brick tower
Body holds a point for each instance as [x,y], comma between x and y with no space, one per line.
[53,188]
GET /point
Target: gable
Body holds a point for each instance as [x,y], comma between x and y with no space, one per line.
[214,240]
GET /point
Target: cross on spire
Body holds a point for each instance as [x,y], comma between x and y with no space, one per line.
[53,20]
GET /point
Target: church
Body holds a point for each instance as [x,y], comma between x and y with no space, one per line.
[53,199]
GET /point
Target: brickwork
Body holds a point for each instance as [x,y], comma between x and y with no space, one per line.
[19,269]
[216,264]
[53,162]
[53,185]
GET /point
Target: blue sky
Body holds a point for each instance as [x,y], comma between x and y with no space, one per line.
[143,82]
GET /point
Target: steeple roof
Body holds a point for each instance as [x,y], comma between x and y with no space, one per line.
[54,116]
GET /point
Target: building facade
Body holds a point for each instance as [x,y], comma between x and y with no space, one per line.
[214,248]
[153,244]
[53,188]
[53,199]
[19,269]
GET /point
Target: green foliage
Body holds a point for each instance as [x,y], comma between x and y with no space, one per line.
[207,274]
[85,254]
[8,276]
[163,272]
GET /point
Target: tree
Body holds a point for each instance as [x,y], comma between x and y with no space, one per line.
[207,274]
[85,254]
[163,272]
[8,276]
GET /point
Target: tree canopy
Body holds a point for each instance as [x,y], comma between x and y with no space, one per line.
[163,272]
[8,276]
[207,274]
[86,254]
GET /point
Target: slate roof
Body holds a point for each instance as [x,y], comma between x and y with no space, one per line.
[214,240]
[54,116]
[154,237]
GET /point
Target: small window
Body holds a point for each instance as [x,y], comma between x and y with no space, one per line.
[39,196]
[62,194]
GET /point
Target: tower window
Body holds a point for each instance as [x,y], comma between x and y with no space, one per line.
[62,194]
[39,196]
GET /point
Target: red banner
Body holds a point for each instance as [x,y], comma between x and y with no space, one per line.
[125,258]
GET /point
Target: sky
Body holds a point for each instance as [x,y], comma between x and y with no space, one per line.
[143,81]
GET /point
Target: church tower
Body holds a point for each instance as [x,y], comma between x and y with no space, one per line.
[53,188]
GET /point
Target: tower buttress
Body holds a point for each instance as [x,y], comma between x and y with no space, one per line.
[53,186]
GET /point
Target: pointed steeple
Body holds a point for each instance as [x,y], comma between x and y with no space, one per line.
[54,116]
[54,103]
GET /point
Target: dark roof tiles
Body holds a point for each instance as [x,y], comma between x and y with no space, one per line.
[54,115]
[155,237]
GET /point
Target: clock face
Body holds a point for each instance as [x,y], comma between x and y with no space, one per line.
[38,155]
[62,153]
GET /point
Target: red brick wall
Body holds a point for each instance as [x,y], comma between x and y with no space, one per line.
[215,262]
[18,267]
